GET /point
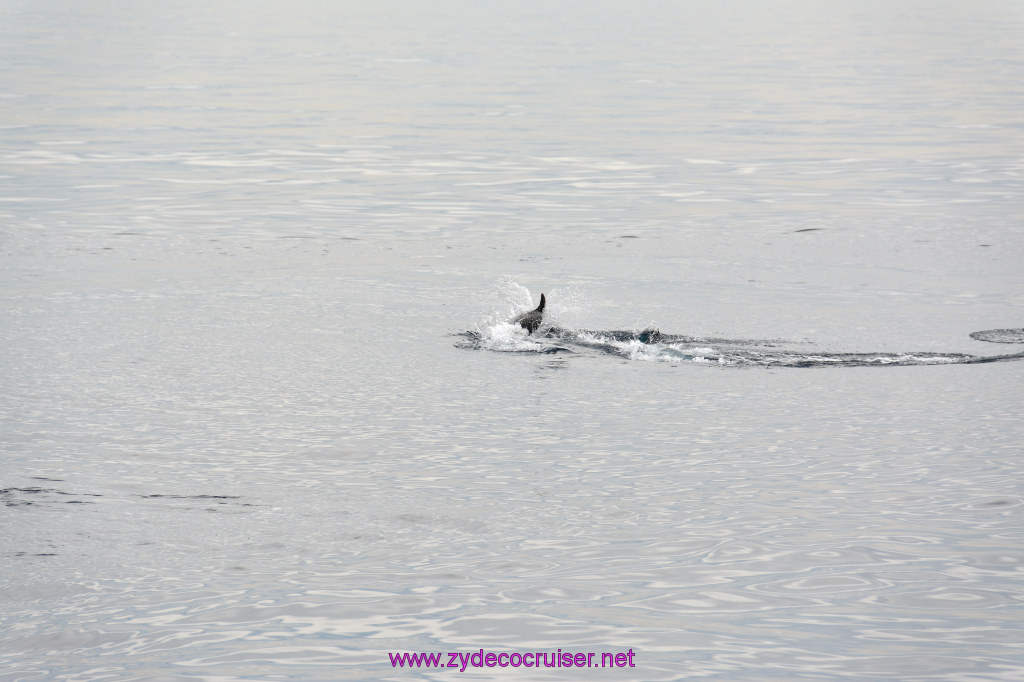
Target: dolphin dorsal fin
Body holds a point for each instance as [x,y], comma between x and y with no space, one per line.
[540,308]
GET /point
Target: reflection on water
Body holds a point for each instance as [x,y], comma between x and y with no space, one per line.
[834,552]
[237,241]
[359,190]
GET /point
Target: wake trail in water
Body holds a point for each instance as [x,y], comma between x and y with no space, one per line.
[653,345]
[496,332]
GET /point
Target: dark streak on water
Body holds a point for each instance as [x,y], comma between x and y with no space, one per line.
[17,497]
[999,335]
[190,497]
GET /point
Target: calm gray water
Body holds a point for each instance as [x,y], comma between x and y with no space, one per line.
[263,417]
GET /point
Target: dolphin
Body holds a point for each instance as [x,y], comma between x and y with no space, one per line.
[531,320]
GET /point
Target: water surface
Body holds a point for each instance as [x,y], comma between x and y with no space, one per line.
[263,417]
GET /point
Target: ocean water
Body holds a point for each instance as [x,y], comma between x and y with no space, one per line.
[263,415]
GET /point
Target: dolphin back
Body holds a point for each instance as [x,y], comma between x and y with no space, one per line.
[530,321]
